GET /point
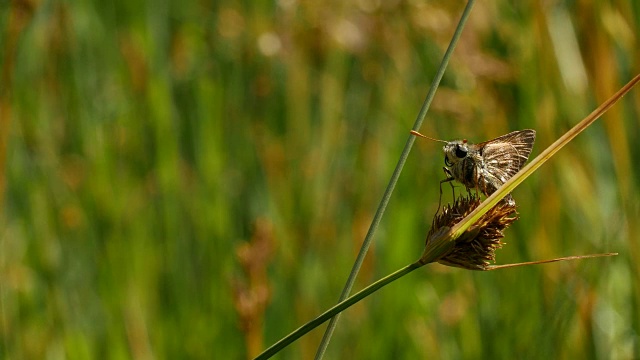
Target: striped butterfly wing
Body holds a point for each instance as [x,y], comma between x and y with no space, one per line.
[504,156]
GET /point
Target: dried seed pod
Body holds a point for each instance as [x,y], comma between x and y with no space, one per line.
[475,248]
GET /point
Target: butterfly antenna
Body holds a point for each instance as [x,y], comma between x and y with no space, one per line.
[413,132]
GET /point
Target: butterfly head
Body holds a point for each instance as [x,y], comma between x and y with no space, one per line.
[455,151]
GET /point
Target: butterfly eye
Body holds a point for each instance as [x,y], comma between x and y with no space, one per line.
[461,152]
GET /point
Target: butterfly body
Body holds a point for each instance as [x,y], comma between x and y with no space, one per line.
[488,165]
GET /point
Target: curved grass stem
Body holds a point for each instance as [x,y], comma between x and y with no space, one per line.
[341,306]
[394,178]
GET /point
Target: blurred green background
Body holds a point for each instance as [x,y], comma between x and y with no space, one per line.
[192,179]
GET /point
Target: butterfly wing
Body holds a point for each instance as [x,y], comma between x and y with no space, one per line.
[504,156]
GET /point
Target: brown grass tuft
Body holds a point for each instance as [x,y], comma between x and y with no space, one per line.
[475,249]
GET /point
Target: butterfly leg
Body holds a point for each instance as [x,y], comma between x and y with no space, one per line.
[484,180]
[449,179]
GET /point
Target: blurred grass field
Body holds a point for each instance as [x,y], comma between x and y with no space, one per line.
[194,180]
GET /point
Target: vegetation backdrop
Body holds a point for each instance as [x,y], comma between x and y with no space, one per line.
[193,179]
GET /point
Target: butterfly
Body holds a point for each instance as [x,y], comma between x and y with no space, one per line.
[487,165]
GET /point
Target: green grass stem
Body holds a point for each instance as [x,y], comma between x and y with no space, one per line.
[394,178]
[341,306]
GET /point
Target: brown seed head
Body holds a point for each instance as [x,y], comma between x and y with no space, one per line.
[475,249]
